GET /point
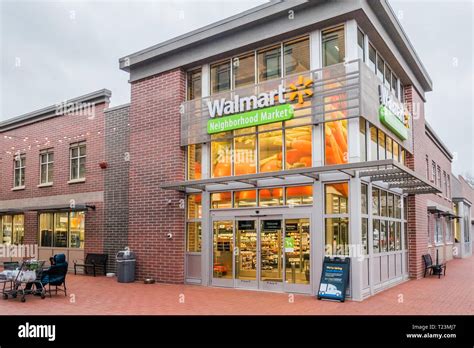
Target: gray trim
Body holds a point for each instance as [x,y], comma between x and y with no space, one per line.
[437,141]
[100,96]
[78,198]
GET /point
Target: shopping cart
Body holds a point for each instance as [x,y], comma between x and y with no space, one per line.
[27,281]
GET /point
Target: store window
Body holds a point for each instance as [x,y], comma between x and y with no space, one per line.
[396,151]
[373,143]
[375,201]
[449,231]
[296,56]
[364,235]
[360,45]
[297,251]
[194,206]
[220,77]
[245,151]
[78,161]
[62,229]
[390,205]
[333,46]
[46,166]
[12,229]
[269,63]
[363,199]
[223,249]
[398,236]
[299,195]
[383,236]
[391,235]
[245,199]
[270,197]
[19,170]
[243,70]
[336,218]
[194,84]
[298,151]
[193,236]
[221,200]
[335,142]
[194,165]
[381,142]
[363,139]
[389,147]
[221,155]
[269,151]
[383,203]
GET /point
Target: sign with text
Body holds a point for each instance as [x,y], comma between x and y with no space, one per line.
[334,278]
[251,118]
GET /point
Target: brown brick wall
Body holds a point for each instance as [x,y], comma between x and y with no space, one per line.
[156,157]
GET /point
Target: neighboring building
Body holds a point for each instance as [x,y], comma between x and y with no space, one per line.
[51,184]
[463,198]
[251,149]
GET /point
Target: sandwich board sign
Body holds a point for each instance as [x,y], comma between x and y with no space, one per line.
[334,278]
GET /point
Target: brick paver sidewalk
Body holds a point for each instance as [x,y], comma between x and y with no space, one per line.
[453,294]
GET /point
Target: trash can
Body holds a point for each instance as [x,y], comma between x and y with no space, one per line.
[126,266]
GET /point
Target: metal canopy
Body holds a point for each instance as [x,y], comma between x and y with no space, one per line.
[389,171]
[56,207]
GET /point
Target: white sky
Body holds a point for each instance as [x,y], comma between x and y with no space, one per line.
[55,50]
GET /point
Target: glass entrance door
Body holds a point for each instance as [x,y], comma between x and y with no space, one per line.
[246,265]
[222,253]
[271,254]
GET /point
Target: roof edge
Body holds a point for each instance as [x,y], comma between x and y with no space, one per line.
[438,140]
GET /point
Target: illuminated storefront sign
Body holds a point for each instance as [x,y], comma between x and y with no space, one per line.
[392,114]
[264,108]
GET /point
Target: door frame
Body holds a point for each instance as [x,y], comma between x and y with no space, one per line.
[240,283]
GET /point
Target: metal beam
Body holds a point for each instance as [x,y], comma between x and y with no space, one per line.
[248,182]
[380,172]
[311,175]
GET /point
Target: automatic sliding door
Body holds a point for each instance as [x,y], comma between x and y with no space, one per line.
[271,255]
[222,255]
[246,254]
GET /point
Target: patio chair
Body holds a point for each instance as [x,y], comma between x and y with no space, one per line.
[56,275]
[94,262]
[433,269]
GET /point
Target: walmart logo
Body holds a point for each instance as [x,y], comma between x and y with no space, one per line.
[300,89]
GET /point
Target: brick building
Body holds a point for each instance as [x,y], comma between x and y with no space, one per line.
[251,149]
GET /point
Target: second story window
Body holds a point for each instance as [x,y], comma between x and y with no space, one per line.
[269,63]
[433,172]
[19,171]
[78,161]
[46,167]
[439,178]
[333,46]
[360,45]
[194,84]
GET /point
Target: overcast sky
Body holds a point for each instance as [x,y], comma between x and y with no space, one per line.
[55,50]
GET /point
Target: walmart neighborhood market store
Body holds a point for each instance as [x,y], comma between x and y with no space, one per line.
[271,143]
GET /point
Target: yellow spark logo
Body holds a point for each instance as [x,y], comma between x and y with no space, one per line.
[406,121]
[301,89]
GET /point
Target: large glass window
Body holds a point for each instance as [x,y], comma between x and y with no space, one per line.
[297,251]
[270,197]
[337,198]
[376,235]
[270,149]
[12,229]
[364,235]
[373,143]
[245,199]
[380,67]
[372,58]
[296,56]
[194,165]
[375,201]
[46,166]
[194,83]
[194,206]
[78,161]
[333,46]
[388,77]
[221,200]
[193,222]
[18,229]
[7,229]
[76,229]
[243,70]
[363,199]
[337,236]
[298,147]
[383,236]
[298,195]
[19,170]
[438,231]
[223,245]
[221,155]
[62,229]
[269,63]
[336,218]
[245,151]
[335,149]
[220,77]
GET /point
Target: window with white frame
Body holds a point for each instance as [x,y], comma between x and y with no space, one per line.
[449,231]
[19,170]
[433,172]
[360,45]
[78,161]
[46,166]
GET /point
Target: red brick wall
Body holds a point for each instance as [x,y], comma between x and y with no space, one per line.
[156,157]
[418,204]
[57,133]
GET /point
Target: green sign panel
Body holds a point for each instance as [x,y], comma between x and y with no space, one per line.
[393,122]
[289,244]
[251,118]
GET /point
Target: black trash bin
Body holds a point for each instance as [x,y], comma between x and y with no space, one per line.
[126,266]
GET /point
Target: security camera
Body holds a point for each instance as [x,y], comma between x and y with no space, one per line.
[169,235]
[257,211]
